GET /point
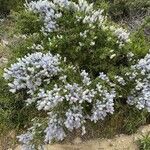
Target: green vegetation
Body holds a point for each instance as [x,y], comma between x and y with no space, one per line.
[144,142]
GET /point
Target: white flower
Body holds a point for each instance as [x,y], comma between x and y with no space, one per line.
[112,56]
[92,43]
[37,47]
[84,34]
[103,76]
[86,80]
[120,80]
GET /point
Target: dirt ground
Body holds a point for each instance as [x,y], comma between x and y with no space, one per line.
[119,142]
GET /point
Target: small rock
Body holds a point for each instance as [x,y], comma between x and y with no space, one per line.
[142,131]
[77,140]
[3,61]
[111,144]
[4,42]
[108,140]
[135,138]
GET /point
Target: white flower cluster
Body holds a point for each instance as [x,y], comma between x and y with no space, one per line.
[36,47]
[83,6]
[122,35]
[49,99]
[73,93]
[75,118]
[130,56]
[54,131]
[78,94]
[120,80]
[31,71]
[95,16]
[140,95]
[86,80]
[90,16]
[48,12]
[26,139]
[102,108]
[103,76]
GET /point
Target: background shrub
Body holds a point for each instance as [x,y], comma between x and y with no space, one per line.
[7,5]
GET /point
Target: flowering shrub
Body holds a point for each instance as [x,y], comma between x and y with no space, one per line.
[74,71]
